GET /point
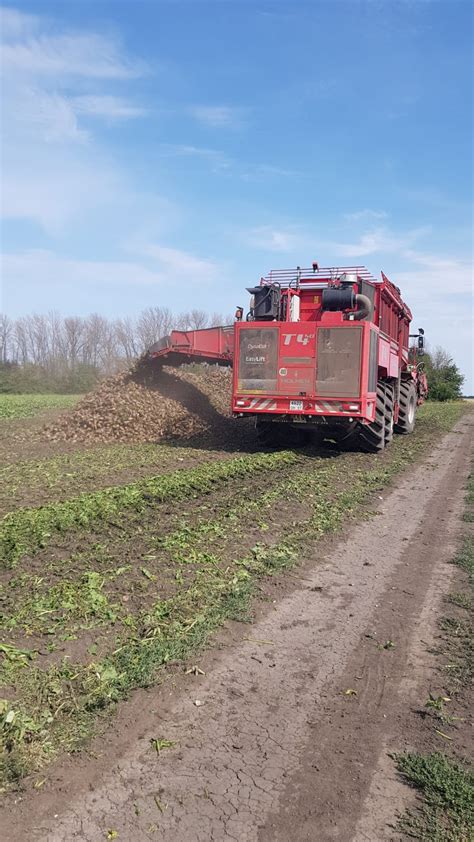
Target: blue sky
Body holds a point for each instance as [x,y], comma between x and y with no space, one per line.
[171,152]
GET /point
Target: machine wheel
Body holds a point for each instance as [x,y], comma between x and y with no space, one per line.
[372,436]
[407,410]
[389,404]
[344,436]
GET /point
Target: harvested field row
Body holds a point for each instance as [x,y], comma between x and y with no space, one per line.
[140,599]
[25,531]
[34,482]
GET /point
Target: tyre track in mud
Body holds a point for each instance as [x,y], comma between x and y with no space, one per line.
[276,751]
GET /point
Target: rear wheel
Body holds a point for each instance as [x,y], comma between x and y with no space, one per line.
[371,438]
[407,409]
[389,406]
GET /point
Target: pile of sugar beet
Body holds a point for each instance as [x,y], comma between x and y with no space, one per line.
[150,403]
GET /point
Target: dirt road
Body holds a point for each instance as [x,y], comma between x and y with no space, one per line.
[268,746]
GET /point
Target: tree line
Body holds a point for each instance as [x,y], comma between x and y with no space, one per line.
[53,353]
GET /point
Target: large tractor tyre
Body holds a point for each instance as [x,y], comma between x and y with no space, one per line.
[407,408]
[372,436]
[389,407]
[342,436]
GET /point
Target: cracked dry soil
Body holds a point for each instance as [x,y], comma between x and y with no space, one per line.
[277,752]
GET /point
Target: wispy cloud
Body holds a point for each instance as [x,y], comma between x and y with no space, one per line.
[38,116]
[217,159]
[265,172]
[272,239]
[15,24]
[53,190]
[220,161]
[365,215]
[110,107]
[378,241]
[54,92]
[439,273]
[66,278]
[29,49]
[176,264]
[432,197]
[53,270]
[218,116]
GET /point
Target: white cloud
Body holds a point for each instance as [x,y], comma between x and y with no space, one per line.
[55,118]
[14,24]
[365,215]
[53,190]
[51,270]
[54,90]
[217,160]
[177,264]
[38,116]
[377,241]
[161,267]
[437,274]
[267,238]
[263,172]
[107,106]
[87,55]
[218,116]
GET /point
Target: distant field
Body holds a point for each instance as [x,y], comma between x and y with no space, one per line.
[24,406]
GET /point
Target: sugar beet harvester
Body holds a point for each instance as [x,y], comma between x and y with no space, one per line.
[321,350]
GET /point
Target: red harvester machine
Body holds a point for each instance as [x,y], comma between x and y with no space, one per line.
[323,350]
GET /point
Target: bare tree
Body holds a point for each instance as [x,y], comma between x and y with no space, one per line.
[218,320]
[6,335]
[55,326]
[182,321]
[73,339]
[21,341]
[95,337]
[198,319]
[153,323]
[127,339]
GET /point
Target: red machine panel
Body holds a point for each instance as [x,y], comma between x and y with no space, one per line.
[297,359]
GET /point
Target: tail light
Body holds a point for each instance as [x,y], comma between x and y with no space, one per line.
[351,407]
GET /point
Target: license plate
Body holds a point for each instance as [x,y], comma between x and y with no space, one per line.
[296,405]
